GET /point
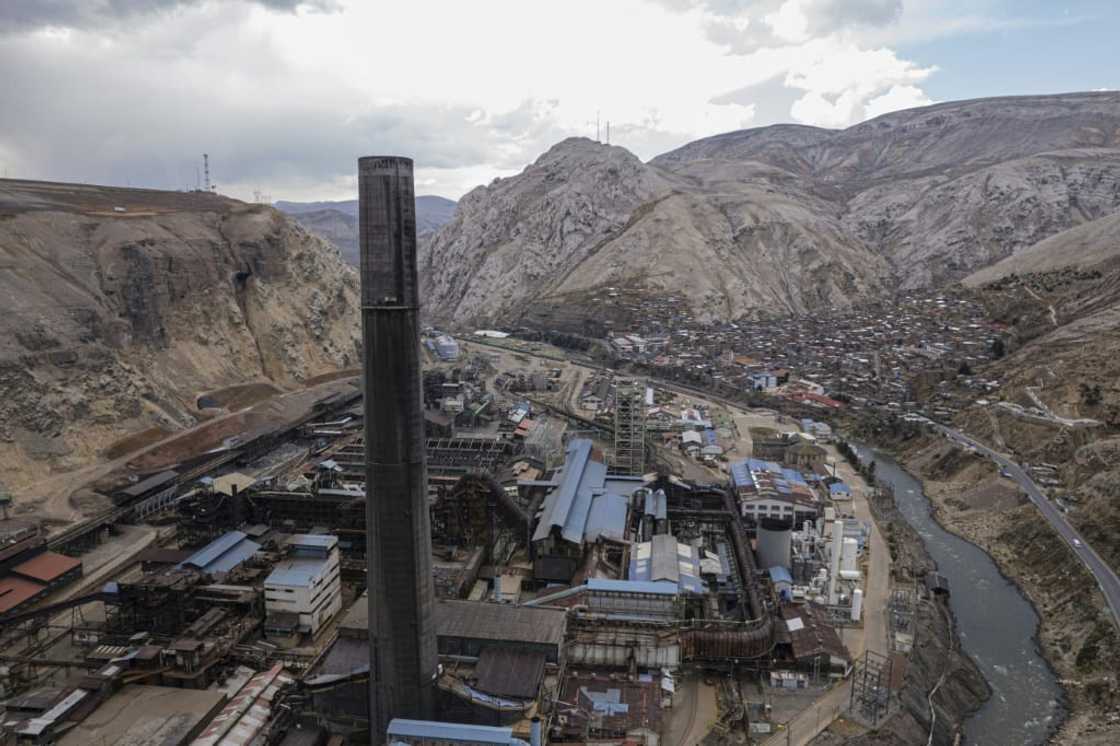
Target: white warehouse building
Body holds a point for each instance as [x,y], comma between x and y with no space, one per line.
[305,588]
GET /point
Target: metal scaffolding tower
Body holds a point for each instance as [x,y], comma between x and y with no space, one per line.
[630,428]
[871,694]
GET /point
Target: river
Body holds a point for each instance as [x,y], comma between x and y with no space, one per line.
[995,621]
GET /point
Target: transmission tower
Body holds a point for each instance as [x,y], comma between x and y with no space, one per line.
[206,172]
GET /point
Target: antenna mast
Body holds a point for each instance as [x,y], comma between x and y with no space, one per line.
[597,138]
[206,171]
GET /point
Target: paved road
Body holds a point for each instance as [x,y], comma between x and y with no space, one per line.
[1105,577]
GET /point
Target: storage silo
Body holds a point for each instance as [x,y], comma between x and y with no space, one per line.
[857,604]
[775,543]
[849,550]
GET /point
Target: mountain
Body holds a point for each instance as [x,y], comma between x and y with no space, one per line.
[1058,402]
[123,306]
[778,220]
[1085,246]
[337,222]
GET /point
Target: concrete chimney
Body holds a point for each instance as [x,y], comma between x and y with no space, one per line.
[402,639]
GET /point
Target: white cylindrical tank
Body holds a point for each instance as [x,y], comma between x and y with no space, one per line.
[775,541]
[848,552]
[857,604]
[834,556]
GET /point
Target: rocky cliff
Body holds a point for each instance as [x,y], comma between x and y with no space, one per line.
[122,306]
[781,219]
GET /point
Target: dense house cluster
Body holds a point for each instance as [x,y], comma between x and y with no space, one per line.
[861,356]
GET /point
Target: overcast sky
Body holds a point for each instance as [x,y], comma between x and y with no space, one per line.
[285,95]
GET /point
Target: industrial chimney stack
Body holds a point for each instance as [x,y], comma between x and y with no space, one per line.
[402,639]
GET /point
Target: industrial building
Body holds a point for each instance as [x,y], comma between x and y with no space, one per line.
[304,591]
[766,489]
[442,575]
[430,733]
[664,559]
[583,506]
[445,347]
[29,571]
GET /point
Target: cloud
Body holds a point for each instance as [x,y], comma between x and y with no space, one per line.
[831,15]
[897,98]
[23,15]
[284,100]
[744,26]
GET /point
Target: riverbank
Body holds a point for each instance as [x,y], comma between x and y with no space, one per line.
[1075,635]
[936,664]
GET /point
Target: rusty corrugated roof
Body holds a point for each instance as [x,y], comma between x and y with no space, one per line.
[14,591]
[507,672]
[47,567]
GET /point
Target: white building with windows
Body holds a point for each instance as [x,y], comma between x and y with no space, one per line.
[766,489]
[305,587]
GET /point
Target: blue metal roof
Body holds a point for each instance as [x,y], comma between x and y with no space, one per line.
[625,486]
[297,573]
[233,557]
[607,517]
[312,540]
[322,543]
[575,523]
[559,502]
[662,588]
[583,480]
[223,554]
[839,488]
[741,474]
[430,730]
[779,574]
[793,475]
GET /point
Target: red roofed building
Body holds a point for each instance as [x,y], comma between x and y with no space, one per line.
[50,569]
[816,399]
[15,592]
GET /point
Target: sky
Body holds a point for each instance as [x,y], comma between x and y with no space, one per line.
[285,95]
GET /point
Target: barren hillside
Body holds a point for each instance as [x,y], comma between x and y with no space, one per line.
[1061,301]
[781,219]
[122,306]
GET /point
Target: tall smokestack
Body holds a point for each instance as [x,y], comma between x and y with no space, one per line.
[398,535]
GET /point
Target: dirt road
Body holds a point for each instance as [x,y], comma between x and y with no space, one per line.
[694,713]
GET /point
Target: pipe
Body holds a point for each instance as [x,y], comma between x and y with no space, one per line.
[834,557]
[535,731]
